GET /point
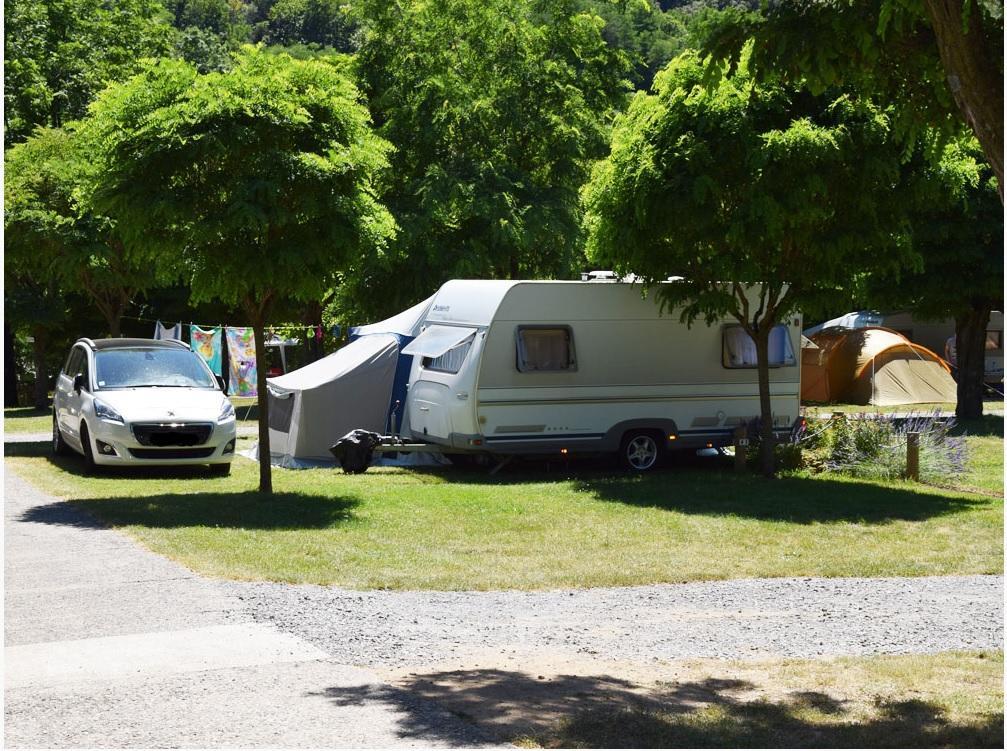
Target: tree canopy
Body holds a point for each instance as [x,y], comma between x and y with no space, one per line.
[938,62]
[254,184]
[58,54]
[50,234]
[495,109]
[747,185]
[957,223]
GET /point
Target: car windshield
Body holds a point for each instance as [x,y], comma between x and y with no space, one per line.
[150,366]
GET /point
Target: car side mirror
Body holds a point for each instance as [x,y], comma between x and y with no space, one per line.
[78,382]
[220,382]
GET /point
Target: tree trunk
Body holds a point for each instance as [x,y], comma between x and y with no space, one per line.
[970,352]
[767,458]
[265,468]
[38,351]
[9,369]
[973,75]
[115,325]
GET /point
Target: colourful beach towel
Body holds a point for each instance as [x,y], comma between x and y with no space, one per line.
[241,356]
[207,344]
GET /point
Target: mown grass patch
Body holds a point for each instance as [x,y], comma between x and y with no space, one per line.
[530,528]
[907,701]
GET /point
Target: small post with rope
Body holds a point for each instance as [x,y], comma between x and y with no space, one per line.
[740,448]
[913,456]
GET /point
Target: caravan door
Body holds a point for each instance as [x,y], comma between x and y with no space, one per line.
[440,355]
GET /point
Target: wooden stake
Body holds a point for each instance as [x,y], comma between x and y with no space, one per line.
[913,456]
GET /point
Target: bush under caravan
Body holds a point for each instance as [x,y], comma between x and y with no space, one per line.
[516,368]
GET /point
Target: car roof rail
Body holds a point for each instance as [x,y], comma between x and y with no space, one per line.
[86,341]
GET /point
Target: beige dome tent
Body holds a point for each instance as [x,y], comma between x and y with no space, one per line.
[875,366]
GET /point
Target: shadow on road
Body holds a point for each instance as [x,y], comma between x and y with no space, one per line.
[606,712]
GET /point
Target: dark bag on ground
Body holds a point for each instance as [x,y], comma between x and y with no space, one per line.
[355,450]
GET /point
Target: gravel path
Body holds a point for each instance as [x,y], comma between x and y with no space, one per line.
[730,619]
[108,645]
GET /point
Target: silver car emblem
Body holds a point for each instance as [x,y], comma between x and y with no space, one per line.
[170,413]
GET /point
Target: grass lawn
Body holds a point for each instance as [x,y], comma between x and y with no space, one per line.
[904,701]
[527,528]
[27,420]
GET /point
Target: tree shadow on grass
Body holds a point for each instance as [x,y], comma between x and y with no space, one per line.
[73,463]
[799,500]
[708,486]
[280,511]
[987,425]
[18,413]
[606,712]
[693,484]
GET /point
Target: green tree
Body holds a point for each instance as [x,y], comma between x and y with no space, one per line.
[496,109]
[939,61]
[648,35]
[44,221]
[58,54]
[958,231]
[254,184]
[326,23]
[746,190]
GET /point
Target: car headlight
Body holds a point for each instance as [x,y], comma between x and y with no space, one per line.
[226,411]
[104,412]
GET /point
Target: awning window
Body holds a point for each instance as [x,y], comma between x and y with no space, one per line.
[437,340]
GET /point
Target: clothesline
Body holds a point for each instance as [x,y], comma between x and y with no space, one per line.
[298,325]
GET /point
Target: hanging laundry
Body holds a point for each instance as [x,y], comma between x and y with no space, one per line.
[241,355]
[165,332]
[207,344]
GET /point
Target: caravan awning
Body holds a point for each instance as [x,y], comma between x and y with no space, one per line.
[437,340]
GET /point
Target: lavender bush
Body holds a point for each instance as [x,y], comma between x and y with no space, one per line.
[875,447]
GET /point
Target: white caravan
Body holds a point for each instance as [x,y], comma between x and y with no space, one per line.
[518,367]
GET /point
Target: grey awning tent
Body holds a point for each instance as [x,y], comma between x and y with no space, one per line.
[312,407]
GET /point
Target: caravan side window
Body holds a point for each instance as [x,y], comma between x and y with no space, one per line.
[451,361]
[739,348]
[545,348]
[994,339]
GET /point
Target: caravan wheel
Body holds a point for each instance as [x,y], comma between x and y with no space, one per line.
[640,451]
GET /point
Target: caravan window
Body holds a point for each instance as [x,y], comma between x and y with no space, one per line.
[451,361]
[994,340]
[739,348]
[545,348]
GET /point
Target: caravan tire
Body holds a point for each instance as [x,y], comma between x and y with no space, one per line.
[641,451]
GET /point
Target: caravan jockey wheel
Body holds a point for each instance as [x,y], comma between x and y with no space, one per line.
[640,451]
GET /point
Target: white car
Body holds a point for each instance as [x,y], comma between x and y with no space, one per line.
[142,402]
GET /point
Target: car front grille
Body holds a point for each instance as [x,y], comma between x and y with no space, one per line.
[172,434]
[171,453]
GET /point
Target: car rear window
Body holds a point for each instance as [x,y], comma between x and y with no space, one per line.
[154,366]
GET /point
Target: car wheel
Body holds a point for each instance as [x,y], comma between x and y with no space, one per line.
[85,443]
[640,451]
[59,446]
[220,470]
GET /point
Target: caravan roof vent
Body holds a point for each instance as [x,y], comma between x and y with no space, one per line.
[599,276]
